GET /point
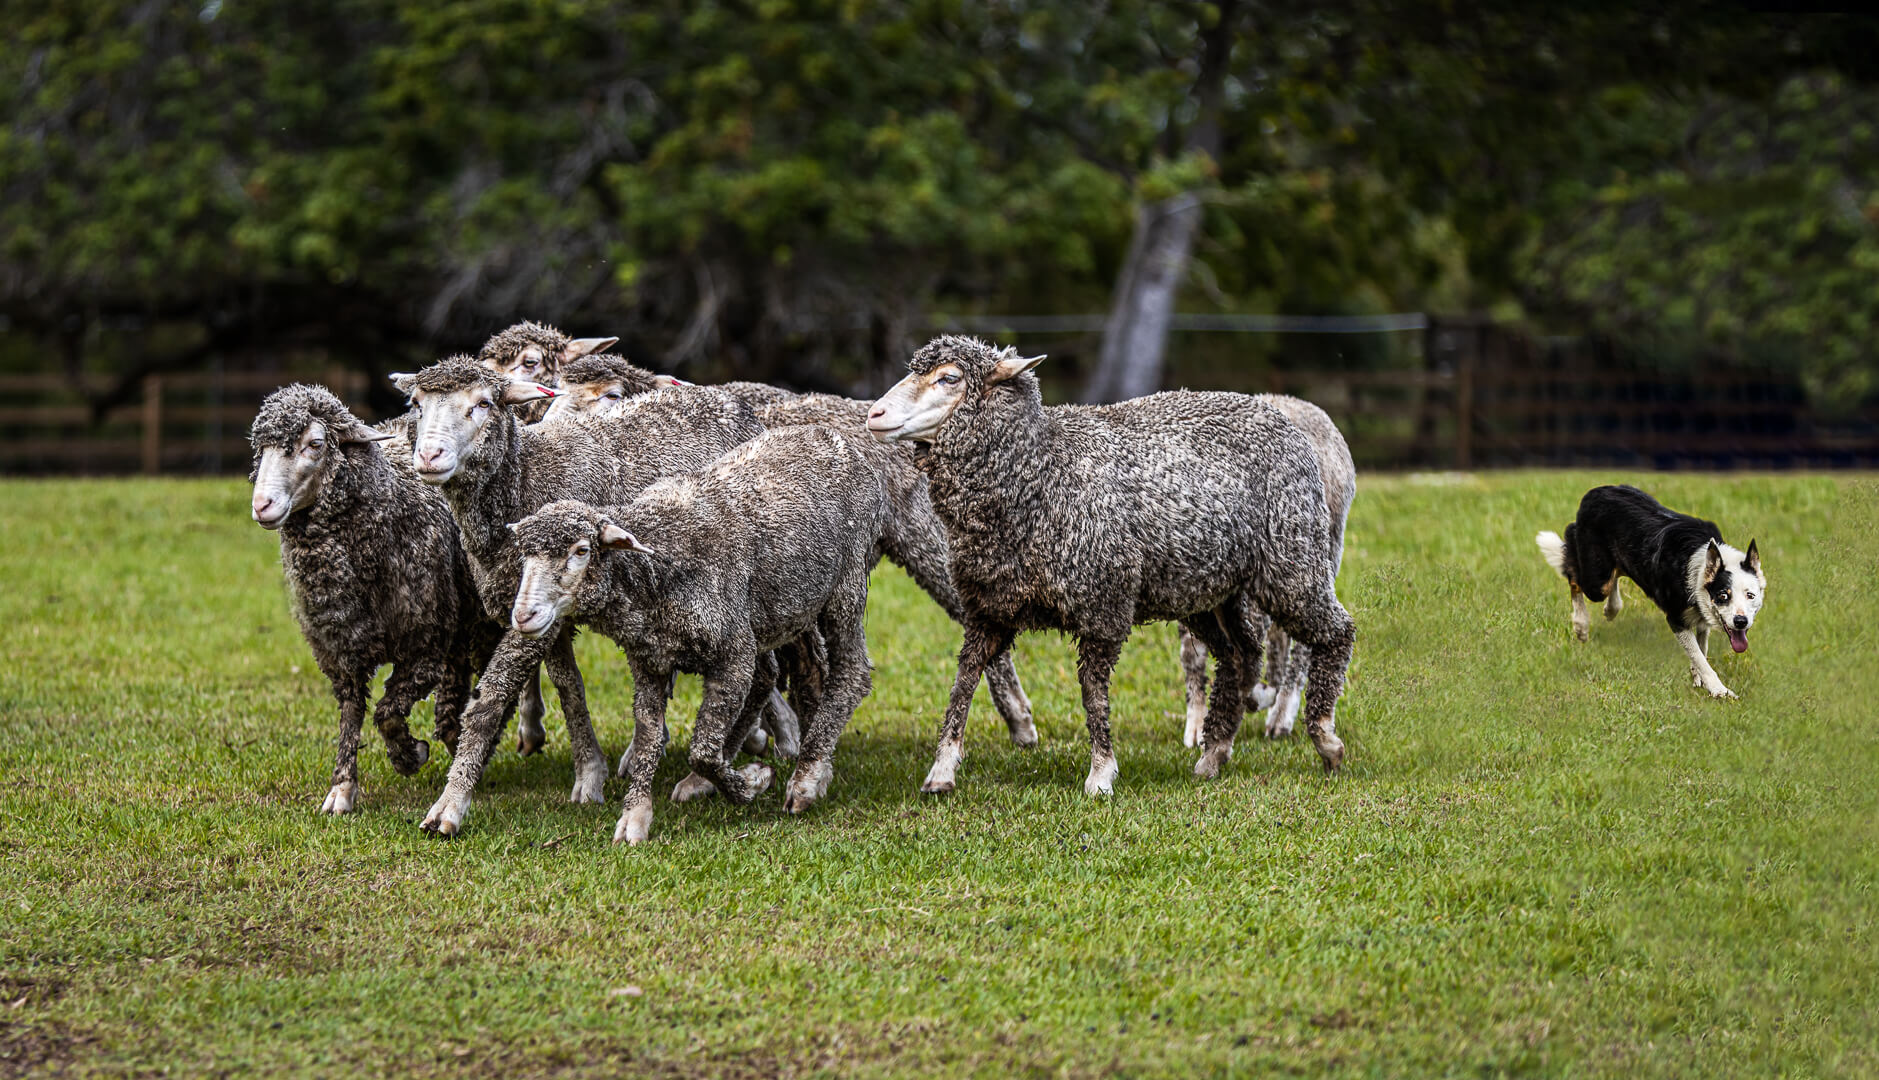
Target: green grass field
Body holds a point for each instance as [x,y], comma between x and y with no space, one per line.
[1541,858]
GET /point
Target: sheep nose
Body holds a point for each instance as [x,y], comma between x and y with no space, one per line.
[1741,622]
[262,504]
[877,412]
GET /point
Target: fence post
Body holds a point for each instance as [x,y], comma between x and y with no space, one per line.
[1464,403]
[153,424]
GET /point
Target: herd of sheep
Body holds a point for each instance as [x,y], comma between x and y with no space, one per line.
[728,531]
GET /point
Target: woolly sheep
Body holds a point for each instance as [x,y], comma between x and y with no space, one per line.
[1189,506]
[913,538]
[706,572]
[376,571]
[1287,660]
[495,470]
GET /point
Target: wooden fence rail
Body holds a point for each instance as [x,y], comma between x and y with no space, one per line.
[1464,417]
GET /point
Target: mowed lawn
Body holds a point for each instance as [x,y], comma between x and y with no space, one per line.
[1541,858]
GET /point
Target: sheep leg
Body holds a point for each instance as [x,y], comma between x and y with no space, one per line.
[668,683]
[349,691]
[530,736]
[590,765]
[762,686]
[1096,658]
[783,721]
[1330,634]
[1222,721]
[651,691]
[453,696]
[1283,714]
[848,680]
[1261,694]
[515,657]
[1194,667]
[980,645]
[727,687]
[406,685]
[1009,697]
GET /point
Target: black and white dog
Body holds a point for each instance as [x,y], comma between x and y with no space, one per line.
[1701,583]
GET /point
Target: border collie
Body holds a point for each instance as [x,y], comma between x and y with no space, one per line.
[1680,562]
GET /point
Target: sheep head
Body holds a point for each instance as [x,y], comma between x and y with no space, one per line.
[947,372]
[599,385]
[297,438]
[534,351]
[557,545]
[456,401]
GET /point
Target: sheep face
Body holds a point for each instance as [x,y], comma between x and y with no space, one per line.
[558,544]
[535,352]
[917,408]
[454,413]
[604,398]
[297,451]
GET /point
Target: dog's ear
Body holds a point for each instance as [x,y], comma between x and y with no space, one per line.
[1754,561]
[1712,562]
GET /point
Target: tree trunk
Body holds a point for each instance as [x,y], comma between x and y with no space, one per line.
[1136,332]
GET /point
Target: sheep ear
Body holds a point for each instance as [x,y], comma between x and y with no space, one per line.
[1712,562]
[586,346]
[612,536]
[406,382]
[357,432]
[668,380]
[1012,367]
[513,531]
[1753,561]
[521,390]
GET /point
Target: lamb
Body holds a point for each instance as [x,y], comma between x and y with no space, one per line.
[1287,660]
[377,574]
[1199,507]
[495,470]
[913,537]
[706,572]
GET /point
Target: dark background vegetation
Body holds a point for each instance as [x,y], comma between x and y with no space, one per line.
[794,191]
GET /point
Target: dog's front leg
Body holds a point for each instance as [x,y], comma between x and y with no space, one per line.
[1701,673]
[1581,618]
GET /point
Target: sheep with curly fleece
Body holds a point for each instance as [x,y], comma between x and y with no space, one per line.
[1287,661]
[495,470]
[1196,507]
[707,572]
[376,570]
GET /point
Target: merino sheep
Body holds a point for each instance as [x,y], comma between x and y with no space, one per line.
[913,536]
[1196,507]
[536,352]
[1287,660]
[708,571]
[495,470]
[376,570]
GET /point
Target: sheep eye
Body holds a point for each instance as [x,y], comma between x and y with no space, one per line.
[314,446]
[482,405]
[611,395]
[529,363]
[948,379]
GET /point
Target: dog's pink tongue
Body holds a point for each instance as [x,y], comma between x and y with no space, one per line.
[1738,641]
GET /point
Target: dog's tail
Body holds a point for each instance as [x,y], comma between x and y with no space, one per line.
[1554,550]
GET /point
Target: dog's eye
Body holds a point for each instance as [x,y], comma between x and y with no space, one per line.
[1749,595]
[1722,597]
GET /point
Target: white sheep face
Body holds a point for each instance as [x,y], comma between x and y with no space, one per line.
[604,399]
[287,479]
[549,584]
[916,407]
[451,424]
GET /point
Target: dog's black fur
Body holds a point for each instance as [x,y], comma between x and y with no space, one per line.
[1621,530]
[1699,582]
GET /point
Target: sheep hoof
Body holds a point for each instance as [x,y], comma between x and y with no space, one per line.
[808,785]
[635,825]
[1211,761]
[445,817]
[939,779]
[692,787]
[340,799]
[1102,778]
[530,740]
[755,742]
[1331,749]
[1190,735]
[590,780]
[1023,733]
[759,776]
[407,764]
[1261,698]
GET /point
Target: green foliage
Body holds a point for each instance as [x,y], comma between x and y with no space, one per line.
[1544,858]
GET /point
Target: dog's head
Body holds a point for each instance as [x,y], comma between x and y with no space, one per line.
[1732,587]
